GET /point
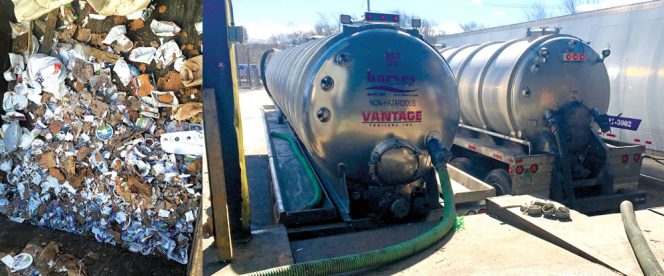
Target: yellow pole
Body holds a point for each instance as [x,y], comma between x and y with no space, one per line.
[246,210]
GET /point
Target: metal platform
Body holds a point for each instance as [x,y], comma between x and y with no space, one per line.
[291,189]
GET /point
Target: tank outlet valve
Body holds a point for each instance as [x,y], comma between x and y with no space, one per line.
[440,155]
[601,119]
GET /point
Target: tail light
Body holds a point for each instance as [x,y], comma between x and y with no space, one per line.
[534,168]
[519,169]
[637,157]
[482,211]
[625,158]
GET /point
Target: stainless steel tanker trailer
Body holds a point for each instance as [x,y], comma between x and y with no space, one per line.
[362,109]
[530,112]
[636,67]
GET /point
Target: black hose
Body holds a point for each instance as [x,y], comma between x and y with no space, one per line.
[644,255]
[568,196]
[658,160]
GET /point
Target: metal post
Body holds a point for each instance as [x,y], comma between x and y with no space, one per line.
[368,5]
[219,77]
[251,84]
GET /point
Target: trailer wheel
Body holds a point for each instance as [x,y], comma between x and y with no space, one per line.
[501,180]
[466,165]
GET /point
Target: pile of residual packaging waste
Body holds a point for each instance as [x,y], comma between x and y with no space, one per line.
[102,132]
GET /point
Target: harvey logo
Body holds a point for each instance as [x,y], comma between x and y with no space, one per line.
[395,83]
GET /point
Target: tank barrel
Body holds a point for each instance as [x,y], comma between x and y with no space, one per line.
[365,99]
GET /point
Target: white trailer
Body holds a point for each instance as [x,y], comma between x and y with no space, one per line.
[635,36]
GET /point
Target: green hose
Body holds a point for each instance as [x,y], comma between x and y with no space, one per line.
[315,185]
[382,256]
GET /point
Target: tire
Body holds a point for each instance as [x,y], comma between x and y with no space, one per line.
[501,180]
[467,165]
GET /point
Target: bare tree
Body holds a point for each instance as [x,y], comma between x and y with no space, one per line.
[286,39]
[572,6]
[471,26]
[427,29]
[536,11]
[329,25]
[326,25]
[568,6]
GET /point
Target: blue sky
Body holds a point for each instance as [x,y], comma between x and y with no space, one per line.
[262,18]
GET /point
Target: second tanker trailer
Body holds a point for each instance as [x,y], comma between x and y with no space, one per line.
[530,109]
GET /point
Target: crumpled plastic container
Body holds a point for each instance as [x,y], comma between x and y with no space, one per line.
[12,133]
[13,101]
[164,28]
[121,68]
[167,53]
[46,73]
[142,54]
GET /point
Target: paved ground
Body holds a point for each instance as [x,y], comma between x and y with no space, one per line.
[467,250]
[253,130]
[652,181]
[487,246]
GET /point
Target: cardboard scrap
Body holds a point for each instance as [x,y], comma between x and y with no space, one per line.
[144,85]
[57,173]
[169,82]
[136,185]
[188,111]
[47,159]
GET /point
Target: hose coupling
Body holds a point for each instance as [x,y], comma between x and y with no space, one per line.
[601,119]
[440,155]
